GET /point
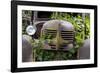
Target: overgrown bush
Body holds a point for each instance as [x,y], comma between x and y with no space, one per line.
[81,23]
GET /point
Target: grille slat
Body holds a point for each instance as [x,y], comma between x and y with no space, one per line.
[67,32]
[67,35]
[67,38]
[51,32]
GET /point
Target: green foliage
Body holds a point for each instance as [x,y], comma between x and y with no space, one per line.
[87,23]
[26,18]
[82,32]
[43,55]
[81,25]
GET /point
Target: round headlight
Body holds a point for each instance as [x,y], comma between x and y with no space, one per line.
[31,30]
